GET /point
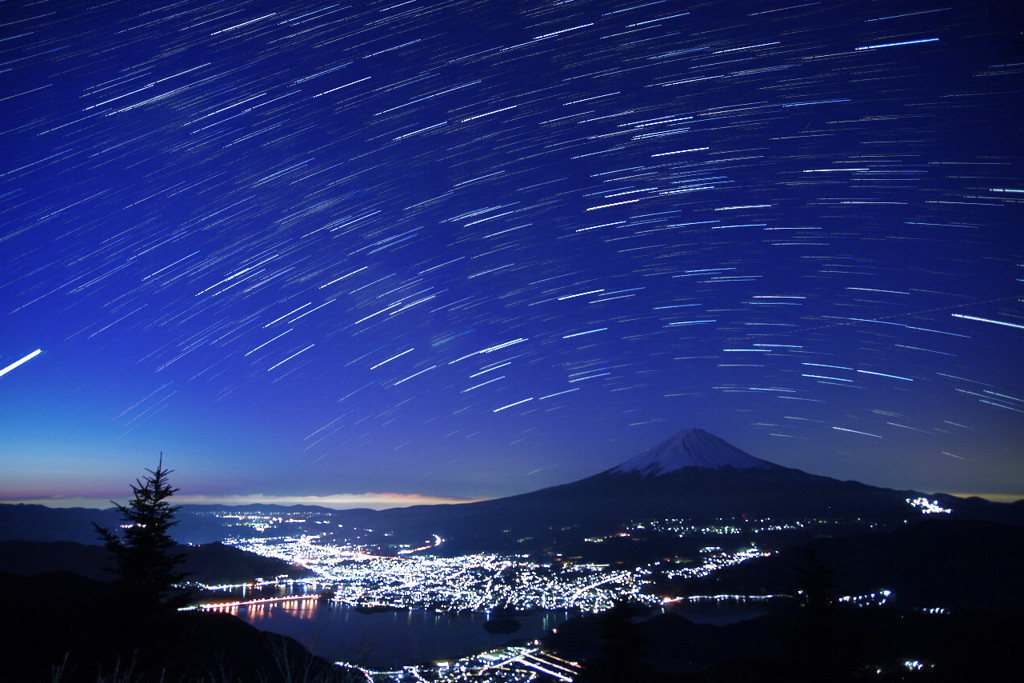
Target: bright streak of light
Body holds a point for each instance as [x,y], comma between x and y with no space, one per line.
[580,334]
[511,405]
[397,355]
[982,320]
[905,42]
[290,357]
[20,362]
[883,374]
[854,431]
[567,391]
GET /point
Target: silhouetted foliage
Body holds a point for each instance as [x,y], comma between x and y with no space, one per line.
[147,566]
[65,628]
[622,648]
[817,581]
[820,638]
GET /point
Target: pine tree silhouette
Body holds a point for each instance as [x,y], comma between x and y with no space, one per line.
[146,564]
[622,648]
[819,639]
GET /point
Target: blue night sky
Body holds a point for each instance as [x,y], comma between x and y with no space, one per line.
[391,252]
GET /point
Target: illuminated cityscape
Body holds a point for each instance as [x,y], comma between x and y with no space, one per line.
[362,566]
[409,579]
[370,571]
[358,570]
[479,582]
[404,605]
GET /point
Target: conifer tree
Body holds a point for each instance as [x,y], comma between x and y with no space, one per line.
[622,646]
[819,639]
[146,564]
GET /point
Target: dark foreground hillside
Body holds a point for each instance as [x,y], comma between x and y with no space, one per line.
[66,628]
[949,563]
[951,614]
[796,646]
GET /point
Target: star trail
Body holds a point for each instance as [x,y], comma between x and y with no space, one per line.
[472,248]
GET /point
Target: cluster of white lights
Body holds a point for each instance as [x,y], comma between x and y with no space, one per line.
[928,507]
[876,599]
[714,559]
[513,664]
[917,665]
[730,526]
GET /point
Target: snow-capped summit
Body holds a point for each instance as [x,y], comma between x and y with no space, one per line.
[692,448]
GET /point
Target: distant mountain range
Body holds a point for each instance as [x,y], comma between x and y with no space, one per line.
[210,564]
[693,475]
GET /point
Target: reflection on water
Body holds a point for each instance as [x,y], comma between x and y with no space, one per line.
[722,612]
[389,639]
[395,638]
[255,613]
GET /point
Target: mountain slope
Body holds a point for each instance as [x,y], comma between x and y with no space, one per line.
[31,522]
[952,563]
[212,563]
[693,475]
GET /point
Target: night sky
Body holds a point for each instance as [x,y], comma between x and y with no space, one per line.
[468,249]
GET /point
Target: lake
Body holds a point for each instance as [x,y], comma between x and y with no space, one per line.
[717,612]
[394,638]
[389,639]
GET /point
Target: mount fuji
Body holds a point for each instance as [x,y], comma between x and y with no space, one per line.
[689,449]
[693,475]
[698,475]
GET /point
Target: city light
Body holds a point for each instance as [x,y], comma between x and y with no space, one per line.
[372,570]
